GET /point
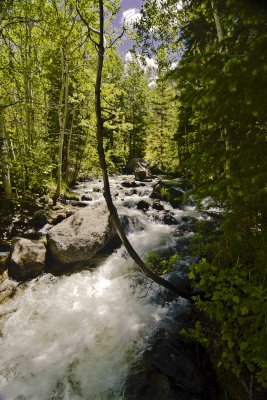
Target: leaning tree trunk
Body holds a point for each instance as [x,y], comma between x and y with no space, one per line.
[102,159]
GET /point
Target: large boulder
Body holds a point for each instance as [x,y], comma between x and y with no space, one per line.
[27,259]
[140,174]
[79,237]
[134,164]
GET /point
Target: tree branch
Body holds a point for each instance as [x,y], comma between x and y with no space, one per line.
[117,38]
[89,27]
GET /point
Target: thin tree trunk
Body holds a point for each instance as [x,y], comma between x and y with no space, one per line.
[62,115]
[221,37]
[218,22]
[29,112]
[102,159]
[4,159]
[67,168]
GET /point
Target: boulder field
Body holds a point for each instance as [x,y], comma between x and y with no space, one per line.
[76,239]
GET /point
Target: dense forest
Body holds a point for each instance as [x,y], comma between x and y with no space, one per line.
[198,111]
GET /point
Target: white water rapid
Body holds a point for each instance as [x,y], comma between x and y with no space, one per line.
[74,337]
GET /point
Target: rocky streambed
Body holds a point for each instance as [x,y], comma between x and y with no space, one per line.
[103,330]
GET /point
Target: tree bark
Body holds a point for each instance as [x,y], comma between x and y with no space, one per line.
[4,160]
[62,116]
[220,37]
[102,160]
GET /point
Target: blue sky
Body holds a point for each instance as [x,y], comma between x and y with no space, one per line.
[129,9]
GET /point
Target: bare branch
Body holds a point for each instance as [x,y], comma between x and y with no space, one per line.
[2,107]
[89,27]
[117,38]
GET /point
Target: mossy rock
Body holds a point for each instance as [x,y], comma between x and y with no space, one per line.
[169,191]
[71,196]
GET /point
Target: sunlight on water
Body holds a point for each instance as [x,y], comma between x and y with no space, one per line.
[73,337]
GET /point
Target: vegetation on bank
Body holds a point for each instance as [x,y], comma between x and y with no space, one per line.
[200,114]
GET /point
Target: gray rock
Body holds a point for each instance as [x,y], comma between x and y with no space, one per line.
[27,259]
[140,174]
[79,237]
[135,163]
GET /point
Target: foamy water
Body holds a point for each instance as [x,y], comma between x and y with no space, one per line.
[75,337]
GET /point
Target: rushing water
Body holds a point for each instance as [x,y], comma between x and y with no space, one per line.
[74,337]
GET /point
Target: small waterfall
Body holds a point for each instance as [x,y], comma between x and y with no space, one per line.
[75,337]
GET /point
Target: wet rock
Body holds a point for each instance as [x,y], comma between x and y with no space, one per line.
[59,218]
[129,184]
[86,198]
[140,174]
[125,222]
[70,196]
[177,362]
[180,280]
[148,384]
[7,290]
[142,205]
[27,259]
[168,191]
[168,219]
[39,219]
[79,237]
[77,203]
[157,206]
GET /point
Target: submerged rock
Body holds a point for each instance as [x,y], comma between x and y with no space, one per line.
[168,219]
[142,205]
[27,259]
[157,206]
[79,237]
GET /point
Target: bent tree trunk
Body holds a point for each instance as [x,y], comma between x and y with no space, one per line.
[102,159]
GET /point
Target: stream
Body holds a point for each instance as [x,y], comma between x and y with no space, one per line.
[76,336]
